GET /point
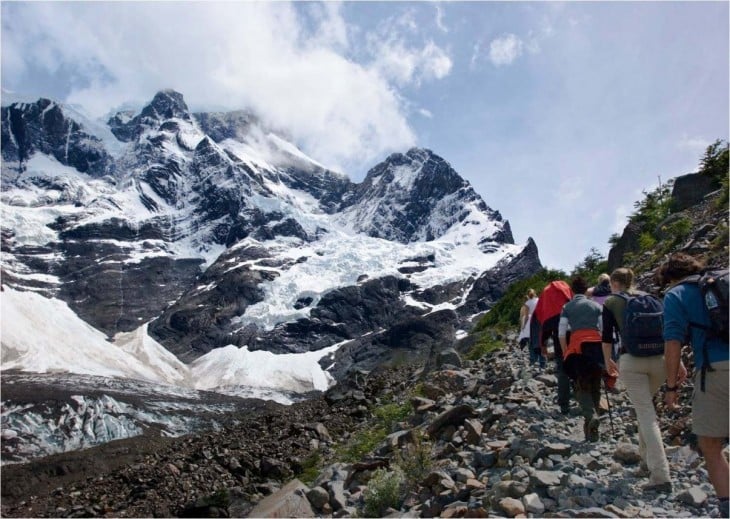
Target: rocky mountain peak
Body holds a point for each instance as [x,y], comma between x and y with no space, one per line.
[167,104]
[418,196]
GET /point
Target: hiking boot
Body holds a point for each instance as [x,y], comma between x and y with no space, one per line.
[590,429]
[659,488]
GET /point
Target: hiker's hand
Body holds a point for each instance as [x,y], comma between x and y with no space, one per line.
[681,374]
[611,368]
[670,399]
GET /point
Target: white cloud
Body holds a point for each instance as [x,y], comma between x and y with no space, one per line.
[426,113]
[400,60]
[504,50]
[261,55]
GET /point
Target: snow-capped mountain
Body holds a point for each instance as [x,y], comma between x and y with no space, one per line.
[212,236]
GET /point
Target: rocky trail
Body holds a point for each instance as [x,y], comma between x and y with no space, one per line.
[482,438]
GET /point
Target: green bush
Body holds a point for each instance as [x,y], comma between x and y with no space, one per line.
[361,444]
[646,241]
[485,343]
[384,491]
[415,459]
[388,415]
[364,442]
[310,468]
[680,229]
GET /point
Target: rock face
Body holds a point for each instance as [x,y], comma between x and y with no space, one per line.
[418,196]
[696,224]
[43,127]
[190,222]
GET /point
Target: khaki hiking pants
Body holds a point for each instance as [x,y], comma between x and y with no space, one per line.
[642,377]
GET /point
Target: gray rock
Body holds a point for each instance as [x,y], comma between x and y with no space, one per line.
[561,449]
[484,459]
[627,453]
[533,504]
[318,497]
[511,507]
[289,501]
[473,430]
[545,478]
[449,357]
[336,490]
[454,416]
[693,496]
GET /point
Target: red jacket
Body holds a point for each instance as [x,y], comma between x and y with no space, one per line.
[552,299]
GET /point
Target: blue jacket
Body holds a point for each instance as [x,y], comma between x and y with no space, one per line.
[683,303]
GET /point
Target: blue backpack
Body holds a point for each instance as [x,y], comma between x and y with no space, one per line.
[643,331]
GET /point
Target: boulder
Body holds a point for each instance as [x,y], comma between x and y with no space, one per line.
[290,501]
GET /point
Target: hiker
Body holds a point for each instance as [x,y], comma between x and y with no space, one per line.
[642,376]
[547,317]
[582,353]
[602,290]
[686,314]
[524,338]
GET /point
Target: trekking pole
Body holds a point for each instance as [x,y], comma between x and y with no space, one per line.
[608,403]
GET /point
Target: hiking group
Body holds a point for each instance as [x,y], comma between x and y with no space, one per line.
[613,331]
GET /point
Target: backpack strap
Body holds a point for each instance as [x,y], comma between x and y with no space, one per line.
[706,366]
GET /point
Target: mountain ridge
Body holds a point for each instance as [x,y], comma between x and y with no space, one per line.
[216,231]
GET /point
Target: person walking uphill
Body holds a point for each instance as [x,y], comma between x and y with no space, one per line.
[687,314]
[642,376]
[547,317]
[525,337]
[582,353]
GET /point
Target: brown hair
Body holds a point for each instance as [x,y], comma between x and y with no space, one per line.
[579,285]
[623,276]
[678,266]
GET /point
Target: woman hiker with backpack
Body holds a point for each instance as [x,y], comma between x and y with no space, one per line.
[642,372]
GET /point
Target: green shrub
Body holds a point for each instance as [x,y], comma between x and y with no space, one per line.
[310,468]
[680,229]
[361,444]
[646,241]
[388,415]
[384,491]
[485,343]
[415,460]
[364,442]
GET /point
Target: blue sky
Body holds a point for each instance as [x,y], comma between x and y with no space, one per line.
[558,113]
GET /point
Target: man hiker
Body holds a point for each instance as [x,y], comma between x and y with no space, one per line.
[547,315]
[582,352]
[688,314]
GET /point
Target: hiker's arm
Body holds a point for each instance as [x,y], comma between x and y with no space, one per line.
[523,316]
[675,330]
[673,361]
[609,323]
[610,364]
[563,332]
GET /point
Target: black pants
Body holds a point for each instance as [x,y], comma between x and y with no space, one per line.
[586,369]
[550,330]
